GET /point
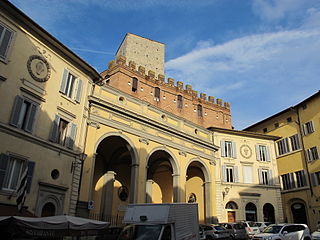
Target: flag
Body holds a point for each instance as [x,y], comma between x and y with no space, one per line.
[22,188]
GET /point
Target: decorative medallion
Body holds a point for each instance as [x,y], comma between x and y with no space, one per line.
[39,68]
[245,151]
[192,198]
[123,193]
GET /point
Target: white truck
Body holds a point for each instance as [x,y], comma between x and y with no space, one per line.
[172,221]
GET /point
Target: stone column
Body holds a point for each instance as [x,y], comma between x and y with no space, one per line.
[207,202]
[149,187]
[107,193]
[176,188]
[133,195]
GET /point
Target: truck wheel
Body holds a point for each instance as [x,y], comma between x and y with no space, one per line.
[209,238]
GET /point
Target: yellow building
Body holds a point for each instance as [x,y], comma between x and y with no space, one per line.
[298,158]
[247,185]
[124,136]
[43,91]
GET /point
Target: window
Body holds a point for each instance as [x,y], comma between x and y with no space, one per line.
[180,103]
[134,84]
[228,149]
[315,178]
[230,173]
[265,130]
[63,132]
[283,146]
[295,142]
[300,179]
[23,114]
[265,176]
[307,128]
[276,125]
[199,108]
[5,39]
[157,94]
[288,181]
[11,168]
[312,154]
[263,153]
[71,86]
[289,119]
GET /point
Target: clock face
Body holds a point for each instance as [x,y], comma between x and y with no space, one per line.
[39,68]
[245,151]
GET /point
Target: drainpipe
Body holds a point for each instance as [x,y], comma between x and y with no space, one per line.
[303,148]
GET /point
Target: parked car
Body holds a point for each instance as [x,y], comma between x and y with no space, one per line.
[236,230]
[202,235]
[251,228]
[284,232]
[215,232]
[262,225]
[316,235]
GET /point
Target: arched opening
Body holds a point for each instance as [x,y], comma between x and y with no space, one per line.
[49,209]
[112,188]
[195,191]
[160,178]
[268,213]
[299,215]
[231,211]
[251,212]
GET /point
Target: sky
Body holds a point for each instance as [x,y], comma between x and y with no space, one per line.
[261,56]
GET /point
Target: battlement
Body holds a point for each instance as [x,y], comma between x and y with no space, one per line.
[170,83]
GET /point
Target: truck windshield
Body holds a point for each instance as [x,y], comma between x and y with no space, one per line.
[140,232]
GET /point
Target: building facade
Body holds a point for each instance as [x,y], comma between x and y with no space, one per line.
[92,143]
[298,158]
[43,92]
[247,184]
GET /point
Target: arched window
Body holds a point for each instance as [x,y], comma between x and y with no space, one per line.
[48,210]
[231,205]
[134,84]
[179,101]
[251,212]
[268,213]
[199,110]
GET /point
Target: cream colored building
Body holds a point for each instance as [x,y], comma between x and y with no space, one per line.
[247,183]
[43,94]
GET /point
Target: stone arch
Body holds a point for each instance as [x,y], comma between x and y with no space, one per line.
[173,160]
[162,170]
[130,146]
[53,200]
[298,215]
[231,205]
[198,179]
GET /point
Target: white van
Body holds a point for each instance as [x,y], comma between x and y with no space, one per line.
[172,221]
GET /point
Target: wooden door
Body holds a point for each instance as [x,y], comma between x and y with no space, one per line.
[231,216]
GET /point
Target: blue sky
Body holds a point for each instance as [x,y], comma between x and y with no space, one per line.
[262,56]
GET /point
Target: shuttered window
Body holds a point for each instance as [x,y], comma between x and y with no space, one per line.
[11,168]
[5,40]
[71,86]
[63,132]
[199,108]
[247,174]
[157,94]
[179,103]
[263,153]
[312,154]
[228,149]
[265,176]
[23,114]
[230,173]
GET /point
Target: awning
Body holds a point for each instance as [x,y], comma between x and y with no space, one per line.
[51,227]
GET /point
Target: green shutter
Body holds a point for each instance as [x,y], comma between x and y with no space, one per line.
[78,91]
[63,84]
[4,159]
[54,130]
[16,111]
